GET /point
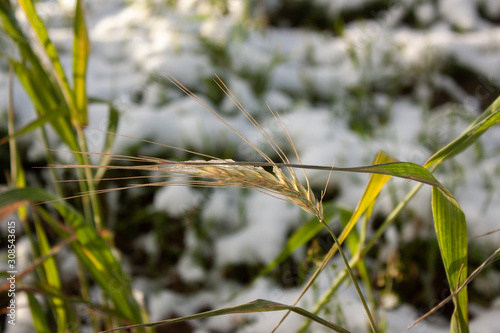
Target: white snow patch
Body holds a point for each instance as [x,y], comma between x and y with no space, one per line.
[403,316]
[461,13]
[148,243]
[220,211]
[425,12]
[268,220]
[177,200]
[189,270]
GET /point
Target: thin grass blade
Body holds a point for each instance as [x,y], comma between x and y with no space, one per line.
[259,305]
[490,117]
[38,315]
[405,170]
[81,49]
[35,124]
[57,69]
[52,277]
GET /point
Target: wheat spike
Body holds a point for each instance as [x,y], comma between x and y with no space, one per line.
[225,172]
[221,173]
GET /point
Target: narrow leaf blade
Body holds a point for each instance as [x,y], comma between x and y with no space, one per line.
[259,305]
[490,117]
[451,231]
[39,319]
[81,49]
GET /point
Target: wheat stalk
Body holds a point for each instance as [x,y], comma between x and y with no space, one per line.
[215,172]
[219,173]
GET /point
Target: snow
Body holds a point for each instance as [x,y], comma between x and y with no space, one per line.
[460,13]
[487,319]
[263,237]
[189,270]
[221,210]
[177,200]
[425,13]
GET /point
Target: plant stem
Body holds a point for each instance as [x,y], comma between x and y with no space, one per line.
[353,278]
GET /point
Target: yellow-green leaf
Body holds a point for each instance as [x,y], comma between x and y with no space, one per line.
[81,48]
[259,305]
[49,48]
[51,276]
[451,231]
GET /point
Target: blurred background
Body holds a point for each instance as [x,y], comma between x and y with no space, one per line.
[349,78]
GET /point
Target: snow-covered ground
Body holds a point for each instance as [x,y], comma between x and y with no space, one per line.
[406,79]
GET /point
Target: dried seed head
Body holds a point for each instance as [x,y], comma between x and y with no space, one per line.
[226,173]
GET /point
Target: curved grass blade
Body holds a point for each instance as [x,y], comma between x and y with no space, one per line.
[49,48]
[451,231]
[259,305]
[81,48]
[113,119]
[490,117]
[357,258]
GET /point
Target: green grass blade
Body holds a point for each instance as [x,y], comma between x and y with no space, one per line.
[44,104]
[52,277]
[406,170]
[451,231]
[39,320]
[299,238]
[81,48]
[490,117]
[37,91]
[49,48]
[326,297]
[355,243]
[45,94]
[91,249]
[495,256]
[259,305]
[35,124]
